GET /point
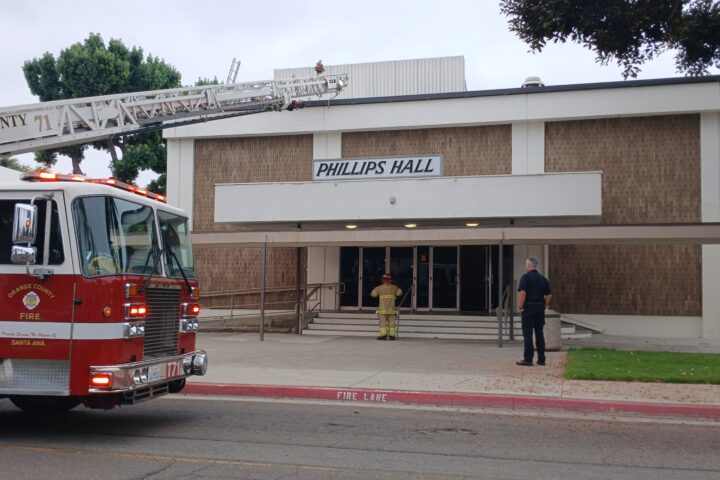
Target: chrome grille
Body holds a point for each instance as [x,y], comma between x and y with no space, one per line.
[162,322]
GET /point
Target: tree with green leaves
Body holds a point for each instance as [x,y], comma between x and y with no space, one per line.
[92,68]
[202,81]
[13,163]
[629,32]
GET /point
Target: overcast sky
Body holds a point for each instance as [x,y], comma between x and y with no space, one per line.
[200,39]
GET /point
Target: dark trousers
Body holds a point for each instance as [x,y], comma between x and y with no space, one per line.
[533,321]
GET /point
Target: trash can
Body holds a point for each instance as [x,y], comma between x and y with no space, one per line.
[553,339]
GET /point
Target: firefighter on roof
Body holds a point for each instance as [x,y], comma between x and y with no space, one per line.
[386,306]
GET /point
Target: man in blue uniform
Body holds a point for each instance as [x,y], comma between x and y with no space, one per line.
[533,298]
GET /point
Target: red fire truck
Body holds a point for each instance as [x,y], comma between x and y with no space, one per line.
[98,290]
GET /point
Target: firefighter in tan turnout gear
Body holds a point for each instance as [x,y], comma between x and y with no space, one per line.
[387,292]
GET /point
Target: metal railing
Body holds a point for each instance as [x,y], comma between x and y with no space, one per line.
[314,300]
[277,301]
[506,315]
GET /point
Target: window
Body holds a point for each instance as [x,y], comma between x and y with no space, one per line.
[176,242]
[115,236]
[7,210]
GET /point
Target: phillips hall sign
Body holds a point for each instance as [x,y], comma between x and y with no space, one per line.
[364,168]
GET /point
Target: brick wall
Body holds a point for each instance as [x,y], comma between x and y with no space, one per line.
[483,150]
[651,174]
[626,279]
[226,268]
[244,160]
[466,151]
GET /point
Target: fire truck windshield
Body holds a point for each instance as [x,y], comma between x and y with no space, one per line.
[176,240]
[115,236]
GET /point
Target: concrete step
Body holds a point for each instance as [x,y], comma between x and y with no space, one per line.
[406,329]
[413,316]
[403,334]
[487,329]
[407,321]
[422,326]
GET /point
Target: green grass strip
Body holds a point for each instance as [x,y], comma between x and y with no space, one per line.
[633,366]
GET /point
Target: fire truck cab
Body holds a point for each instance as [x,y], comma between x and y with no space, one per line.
[99,294]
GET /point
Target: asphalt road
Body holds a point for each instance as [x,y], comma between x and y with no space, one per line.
[176,438]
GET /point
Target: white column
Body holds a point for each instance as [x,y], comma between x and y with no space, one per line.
[324,267]
[323,264]
[528,147]
[520,254]
[181,174]
[710,201]
[327,145]
[528,157]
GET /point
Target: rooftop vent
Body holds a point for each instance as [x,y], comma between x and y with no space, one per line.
[533,82]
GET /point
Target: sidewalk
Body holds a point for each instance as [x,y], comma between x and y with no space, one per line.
[435,372]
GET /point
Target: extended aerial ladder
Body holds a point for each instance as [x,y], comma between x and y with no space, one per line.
[41,126]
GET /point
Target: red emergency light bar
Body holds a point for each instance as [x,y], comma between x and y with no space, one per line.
[58,177]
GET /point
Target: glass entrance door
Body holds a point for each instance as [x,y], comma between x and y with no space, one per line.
[437,282]
[422,280]
[374,260]
[402,271]
[444,278]
[428,276]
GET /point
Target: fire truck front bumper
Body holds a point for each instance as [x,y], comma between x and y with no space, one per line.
[129,377]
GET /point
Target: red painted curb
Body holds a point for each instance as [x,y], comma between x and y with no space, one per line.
[513,402]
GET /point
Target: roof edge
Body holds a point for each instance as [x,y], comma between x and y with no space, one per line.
[519,91]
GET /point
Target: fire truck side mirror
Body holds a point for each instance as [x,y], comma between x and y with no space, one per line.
[24,223]
[23,255]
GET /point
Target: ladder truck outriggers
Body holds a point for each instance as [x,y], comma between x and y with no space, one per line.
[98,291]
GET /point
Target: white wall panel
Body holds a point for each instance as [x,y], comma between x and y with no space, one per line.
[501,196]
[181,174]
[528,147]
[516,106]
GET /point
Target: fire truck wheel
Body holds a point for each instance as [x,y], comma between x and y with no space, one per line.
[36,404]
[176,385]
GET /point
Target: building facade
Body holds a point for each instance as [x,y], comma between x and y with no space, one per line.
[615,187]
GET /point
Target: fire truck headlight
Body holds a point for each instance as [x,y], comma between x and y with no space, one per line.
[144,375]
[133,330]
[137,377]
